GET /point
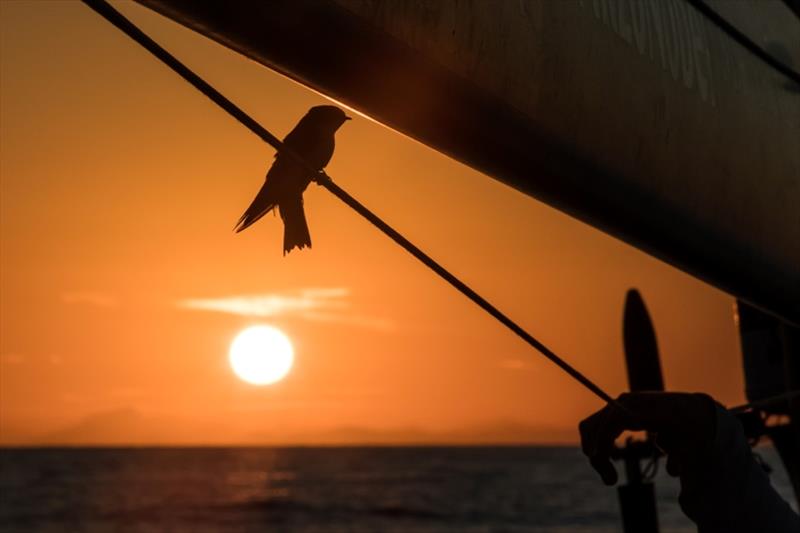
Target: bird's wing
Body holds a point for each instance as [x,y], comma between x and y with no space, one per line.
[263,203]
[315,147]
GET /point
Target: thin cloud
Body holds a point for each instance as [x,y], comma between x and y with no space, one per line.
[514,364]
[12,359]
[315,304]
[369,322]
[92,298]
[271,304]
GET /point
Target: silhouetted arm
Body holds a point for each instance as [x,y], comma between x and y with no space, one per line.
[723,489]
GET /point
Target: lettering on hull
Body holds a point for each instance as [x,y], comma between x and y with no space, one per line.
[669,32]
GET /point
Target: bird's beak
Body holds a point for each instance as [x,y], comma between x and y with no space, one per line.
[348,118]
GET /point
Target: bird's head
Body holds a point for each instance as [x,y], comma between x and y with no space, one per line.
[327,116]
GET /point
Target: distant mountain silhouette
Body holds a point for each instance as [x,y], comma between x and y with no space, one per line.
[128,426]
[491,433]
[112,427]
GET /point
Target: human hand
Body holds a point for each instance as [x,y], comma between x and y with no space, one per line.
[684,425]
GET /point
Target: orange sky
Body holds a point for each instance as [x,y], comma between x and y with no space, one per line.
[120,188]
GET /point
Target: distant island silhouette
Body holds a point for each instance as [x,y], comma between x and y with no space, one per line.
[129,426]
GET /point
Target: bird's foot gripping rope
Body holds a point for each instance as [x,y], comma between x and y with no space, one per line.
[322,179]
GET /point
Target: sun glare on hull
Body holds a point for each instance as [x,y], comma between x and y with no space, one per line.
[261,355]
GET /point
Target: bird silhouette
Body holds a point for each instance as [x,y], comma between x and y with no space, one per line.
[312,139]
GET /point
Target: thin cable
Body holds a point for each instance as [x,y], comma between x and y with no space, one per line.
[734,33]
[117,19]
[766,402]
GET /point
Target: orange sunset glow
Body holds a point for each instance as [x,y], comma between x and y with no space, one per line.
[123,285]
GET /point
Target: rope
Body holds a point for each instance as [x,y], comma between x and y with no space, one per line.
[766,402]
[734,33]
[118,20]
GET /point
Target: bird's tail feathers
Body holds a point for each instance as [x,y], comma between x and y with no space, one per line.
[295,227]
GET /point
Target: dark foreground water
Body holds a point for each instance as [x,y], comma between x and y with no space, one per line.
[313,490]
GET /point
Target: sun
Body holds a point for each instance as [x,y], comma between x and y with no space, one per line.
[261,355]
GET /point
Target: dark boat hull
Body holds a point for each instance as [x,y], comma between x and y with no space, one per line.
[639,118]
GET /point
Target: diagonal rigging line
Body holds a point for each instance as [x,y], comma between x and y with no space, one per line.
[734,33]
[118,20]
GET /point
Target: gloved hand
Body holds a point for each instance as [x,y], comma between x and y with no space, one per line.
[723,489]
[684,425]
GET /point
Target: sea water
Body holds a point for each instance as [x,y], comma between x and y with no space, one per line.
[320,490]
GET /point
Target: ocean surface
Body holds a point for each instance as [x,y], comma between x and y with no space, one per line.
[320,490]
